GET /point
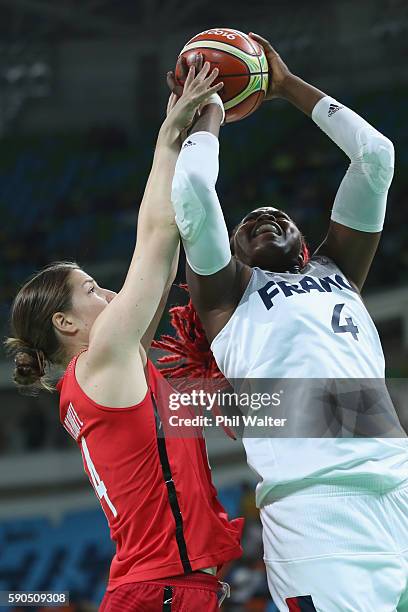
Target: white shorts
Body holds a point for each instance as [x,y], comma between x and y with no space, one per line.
[333,549]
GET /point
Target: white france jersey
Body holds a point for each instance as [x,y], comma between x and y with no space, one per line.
[308,325]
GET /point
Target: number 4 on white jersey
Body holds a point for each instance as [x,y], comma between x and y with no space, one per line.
[349,327]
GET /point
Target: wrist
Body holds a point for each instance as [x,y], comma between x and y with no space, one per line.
[211,106]
[168,135]
[212,113]
[301,94]
[286,86]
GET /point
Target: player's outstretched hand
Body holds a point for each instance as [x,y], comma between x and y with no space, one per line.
[177,89]
[183,104]
[174,85]
[278,70]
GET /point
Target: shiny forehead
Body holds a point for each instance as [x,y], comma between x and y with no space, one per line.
[261,210]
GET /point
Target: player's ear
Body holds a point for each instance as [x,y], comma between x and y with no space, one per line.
[64,323]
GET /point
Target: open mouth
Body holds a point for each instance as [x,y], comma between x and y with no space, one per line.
[269,226]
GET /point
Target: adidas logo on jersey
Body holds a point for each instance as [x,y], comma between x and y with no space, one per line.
[188,143]
[333,108]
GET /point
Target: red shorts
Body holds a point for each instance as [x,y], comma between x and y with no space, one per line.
[197,592]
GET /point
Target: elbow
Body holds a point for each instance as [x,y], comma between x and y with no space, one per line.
[386,163]
[389,145]
[381,150]
[385,152]
[379,160]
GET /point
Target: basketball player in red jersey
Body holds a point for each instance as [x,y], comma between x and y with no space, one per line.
[171,533]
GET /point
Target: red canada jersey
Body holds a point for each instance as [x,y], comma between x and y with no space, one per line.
[155,491]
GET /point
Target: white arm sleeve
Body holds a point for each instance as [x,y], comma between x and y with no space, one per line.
[198,212]
[362,196]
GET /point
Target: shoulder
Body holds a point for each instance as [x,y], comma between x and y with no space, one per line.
[319,260]
[115,381]
[244,273]
[91,360]
[324,265]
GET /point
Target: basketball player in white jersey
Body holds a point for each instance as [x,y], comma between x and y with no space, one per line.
[334,511]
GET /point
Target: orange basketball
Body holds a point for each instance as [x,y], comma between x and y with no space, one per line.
[242,64]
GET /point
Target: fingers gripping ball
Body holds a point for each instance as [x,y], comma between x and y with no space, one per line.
[242,64]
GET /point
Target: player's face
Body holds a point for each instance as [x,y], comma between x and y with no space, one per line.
[268,238]
[88,299]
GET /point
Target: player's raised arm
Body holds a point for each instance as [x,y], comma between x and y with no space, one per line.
[359,207]
[213,275]
[123,323]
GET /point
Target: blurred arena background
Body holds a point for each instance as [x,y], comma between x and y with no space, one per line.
[82,95]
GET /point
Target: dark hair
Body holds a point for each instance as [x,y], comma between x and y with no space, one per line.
[188,353]
[33,340]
